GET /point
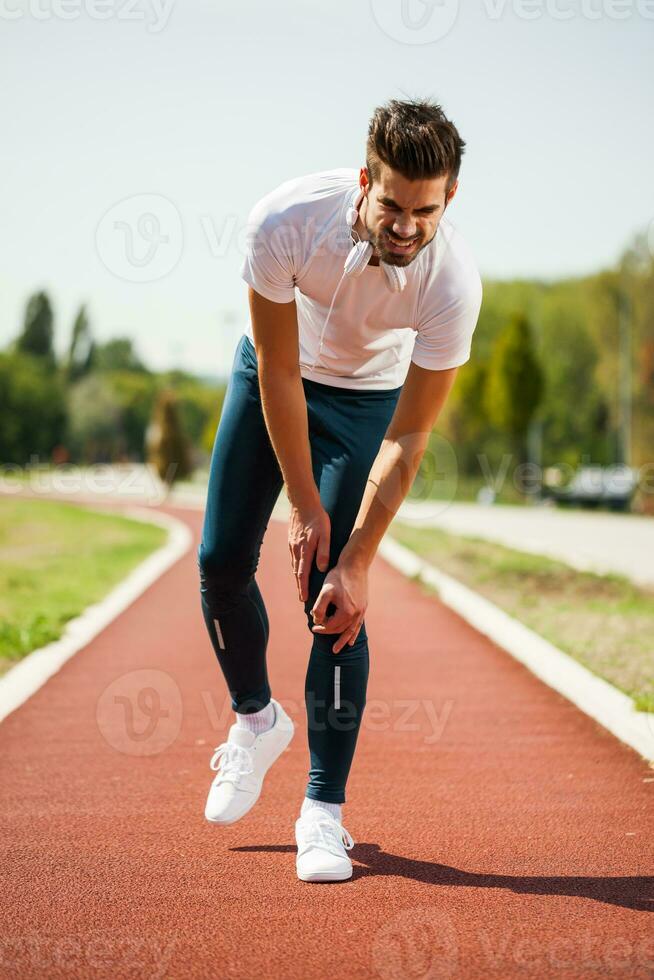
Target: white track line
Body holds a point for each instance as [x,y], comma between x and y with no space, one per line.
[30,673]
[594,696]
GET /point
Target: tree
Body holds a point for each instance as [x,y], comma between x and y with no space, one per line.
[211,427]
[37,334]
[82,348]
[468,422]
[573,410]
[135,393]
[197,405]
[514,386]
[32,409]
[117,354]
[167,447]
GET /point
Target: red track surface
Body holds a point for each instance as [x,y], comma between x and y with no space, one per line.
[499,832]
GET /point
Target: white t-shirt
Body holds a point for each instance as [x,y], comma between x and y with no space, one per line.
[298,240]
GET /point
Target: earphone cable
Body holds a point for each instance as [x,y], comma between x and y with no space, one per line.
[329,313]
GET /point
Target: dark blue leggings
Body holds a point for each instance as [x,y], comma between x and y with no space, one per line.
[346,429]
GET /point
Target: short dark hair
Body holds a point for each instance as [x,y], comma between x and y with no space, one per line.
[416,139]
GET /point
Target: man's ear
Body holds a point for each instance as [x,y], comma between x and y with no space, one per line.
[452,191]
[364,179]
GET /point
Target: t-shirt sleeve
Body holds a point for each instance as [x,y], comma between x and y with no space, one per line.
[271,258]
[444,333]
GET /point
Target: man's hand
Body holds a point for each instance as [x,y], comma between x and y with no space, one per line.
[346,586]
[309,532]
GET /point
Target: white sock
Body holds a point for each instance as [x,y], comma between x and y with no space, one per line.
[258,721]
[332,808]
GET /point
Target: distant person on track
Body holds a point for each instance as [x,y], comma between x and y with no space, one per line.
[363,300]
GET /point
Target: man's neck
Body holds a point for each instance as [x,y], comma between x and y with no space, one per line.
[362,231]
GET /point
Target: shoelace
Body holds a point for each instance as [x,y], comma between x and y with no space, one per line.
[326,833]
[231,761]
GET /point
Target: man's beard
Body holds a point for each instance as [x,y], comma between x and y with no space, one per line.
[396,258]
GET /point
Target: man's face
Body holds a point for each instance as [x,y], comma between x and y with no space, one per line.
[401,216]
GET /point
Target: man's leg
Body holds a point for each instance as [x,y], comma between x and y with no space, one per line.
[244,483]
[346,432]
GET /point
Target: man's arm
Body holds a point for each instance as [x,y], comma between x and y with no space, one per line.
[423,395]
[275,330]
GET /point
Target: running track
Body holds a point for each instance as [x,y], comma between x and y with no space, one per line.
[500,833]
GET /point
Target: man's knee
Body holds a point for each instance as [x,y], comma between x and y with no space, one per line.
[316,582]
[224,577]
[323,642]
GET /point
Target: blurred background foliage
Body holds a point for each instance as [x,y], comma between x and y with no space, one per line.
[561,373]
[96,404]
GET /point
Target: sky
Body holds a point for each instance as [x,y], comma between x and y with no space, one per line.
[137,135]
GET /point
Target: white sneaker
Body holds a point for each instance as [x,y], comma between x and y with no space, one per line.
[242,762]
[321,845]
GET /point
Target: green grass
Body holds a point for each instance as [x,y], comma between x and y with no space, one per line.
[603,621]
[55,560]
[465,490]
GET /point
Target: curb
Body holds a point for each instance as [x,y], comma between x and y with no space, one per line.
[595,697]
[31,673]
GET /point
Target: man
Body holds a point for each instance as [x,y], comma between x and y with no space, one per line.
[363,301]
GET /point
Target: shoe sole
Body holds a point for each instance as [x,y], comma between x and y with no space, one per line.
[225,823]
[325,876]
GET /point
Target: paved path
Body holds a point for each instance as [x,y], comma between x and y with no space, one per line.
[500,833]
[602,542]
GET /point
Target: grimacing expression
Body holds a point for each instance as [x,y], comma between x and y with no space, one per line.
[401,216]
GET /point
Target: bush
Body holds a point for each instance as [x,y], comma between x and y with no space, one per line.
[95,429]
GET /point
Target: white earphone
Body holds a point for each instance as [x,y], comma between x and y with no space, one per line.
[358,258]
[361,253]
